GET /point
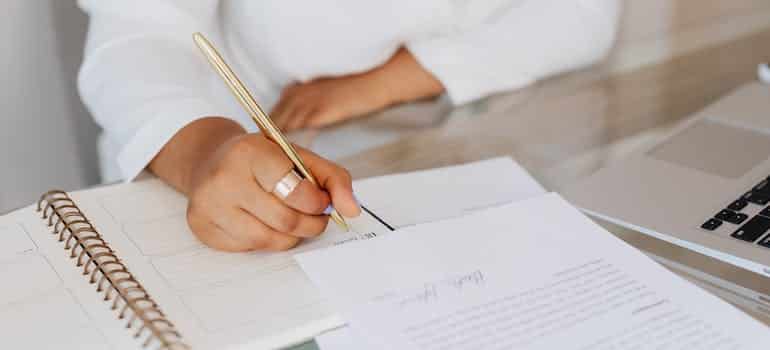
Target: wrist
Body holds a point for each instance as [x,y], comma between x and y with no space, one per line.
[191,147]
[389,90]
[405,80]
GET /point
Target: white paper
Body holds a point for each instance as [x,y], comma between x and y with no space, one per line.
[13,239]
[430,195]
[223,300]
[37,310]
[535,274]
[337,339]
[347,338]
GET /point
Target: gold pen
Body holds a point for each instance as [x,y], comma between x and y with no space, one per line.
[265,124]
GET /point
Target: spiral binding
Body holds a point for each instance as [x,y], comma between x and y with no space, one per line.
[107,272]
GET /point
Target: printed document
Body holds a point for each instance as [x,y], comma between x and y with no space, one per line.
[535,274]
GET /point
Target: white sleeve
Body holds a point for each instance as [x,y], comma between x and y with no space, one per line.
[525,42]
[142,78]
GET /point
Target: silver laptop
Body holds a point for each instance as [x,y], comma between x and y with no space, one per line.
[705,187]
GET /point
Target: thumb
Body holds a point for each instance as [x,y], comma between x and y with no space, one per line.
[336,181]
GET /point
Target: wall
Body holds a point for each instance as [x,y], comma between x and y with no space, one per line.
[47,139]
[654,30]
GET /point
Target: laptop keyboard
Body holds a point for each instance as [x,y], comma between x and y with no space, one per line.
[754,229]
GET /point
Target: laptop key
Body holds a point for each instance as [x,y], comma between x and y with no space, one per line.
[762,187]
[724,215]
[765,212]
[731,216]
[757,197]
[765,242]
[752,229]
[738,204]
[738,218]
[711,224]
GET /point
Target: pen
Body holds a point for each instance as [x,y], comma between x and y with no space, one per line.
[265,124]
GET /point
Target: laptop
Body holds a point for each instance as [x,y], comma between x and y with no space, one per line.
[705,186]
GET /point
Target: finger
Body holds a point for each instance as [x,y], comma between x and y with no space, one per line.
[294,112]
[280,106]
[214,236]
[259,236]
[276,214]
[270,165]
[300,118]
[336,181]
[308,199]
[321,119]
[328,116]
[278,113]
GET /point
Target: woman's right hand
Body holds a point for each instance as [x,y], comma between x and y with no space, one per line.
[228,176]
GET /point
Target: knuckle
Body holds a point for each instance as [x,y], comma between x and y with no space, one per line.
[284,164]
[260,241]
[285,243]
[323,108]
[216,177]
[323,222]
[215,180]
[272,150]
[241,147]
[320,204]
[272,154]
[201,228]
[280,169]
[344,175]
[286,221]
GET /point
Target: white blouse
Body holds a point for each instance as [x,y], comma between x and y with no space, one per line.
[143,79]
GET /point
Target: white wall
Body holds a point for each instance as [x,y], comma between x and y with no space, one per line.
[654,30]
[46,139]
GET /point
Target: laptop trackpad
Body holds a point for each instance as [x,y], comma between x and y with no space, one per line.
[715,148]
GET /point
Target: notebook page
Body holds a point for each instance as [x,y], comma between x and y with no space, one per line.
[38,308]
[221,299]
[535,274]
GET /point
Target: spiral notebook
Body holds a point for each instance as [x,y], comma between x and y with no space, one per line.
[116,267]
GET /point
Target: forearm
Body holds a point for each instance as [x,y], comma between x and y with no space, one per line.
[327,101]
[520,45]
[403,79]
[190,147]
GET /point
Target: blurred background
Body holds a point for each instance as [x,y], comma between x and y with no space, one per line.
[49,140]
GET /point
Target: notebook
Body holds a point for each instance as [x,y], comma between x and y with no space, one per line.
[116,267]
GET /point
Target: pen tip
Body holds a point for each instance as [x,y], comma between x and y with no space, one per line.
[340,221]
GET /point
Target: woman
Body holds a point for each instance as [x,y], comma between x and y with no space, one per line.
[314,63]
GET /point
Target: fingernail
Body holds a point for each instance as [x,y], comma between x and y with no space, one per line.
[358,203]
[329,209]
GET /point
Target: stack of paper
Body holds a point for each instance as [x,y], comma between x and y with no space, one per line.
[535,274]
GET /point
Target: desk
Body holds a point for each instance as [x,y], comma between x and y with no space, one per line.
[567,127]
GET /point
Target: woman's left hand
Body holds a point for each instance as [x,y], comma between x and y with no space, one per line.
[327,101]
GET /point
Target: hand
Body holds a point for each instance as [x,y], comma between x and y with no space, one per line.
[229,187]
[327,101]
